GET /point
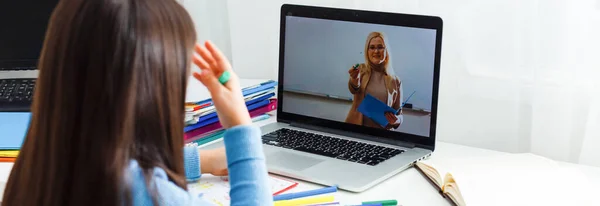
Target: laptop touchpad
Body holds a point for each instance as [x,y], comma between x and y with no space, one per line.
[292,161]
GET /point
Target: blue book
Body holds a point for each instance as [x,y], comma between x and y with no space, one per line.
[251,90]
[207,117]
[260,98]
[252,101]
[215,118]
[201,124]
[375,110]
[261,87]
[13,127]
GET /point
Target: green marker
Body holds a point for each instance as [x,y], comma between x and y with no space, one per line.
[356,66]
[224,78]
[382,202]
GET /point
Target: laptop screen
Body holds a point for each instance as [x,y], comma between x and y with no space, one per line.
[372,75]
[23,24]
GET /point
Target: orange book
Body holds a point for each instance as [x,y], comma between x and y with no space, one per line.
[7,159]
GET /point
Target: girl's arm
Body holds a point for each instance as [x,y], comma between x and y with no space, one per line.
[248,174]
[198,162]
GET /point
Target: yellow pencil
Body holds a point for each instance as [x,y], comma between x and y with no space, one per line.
[305,201]
[9,153]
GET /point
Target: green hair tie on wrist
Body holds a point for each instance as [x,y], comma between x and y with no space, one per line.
[224,78]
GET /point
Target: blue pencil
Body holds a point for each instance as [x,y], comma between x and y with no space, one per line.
[398,111]
[408,98]
[305,193]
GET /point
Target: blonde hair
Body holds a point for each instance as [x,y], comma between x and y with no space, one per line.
[386,60]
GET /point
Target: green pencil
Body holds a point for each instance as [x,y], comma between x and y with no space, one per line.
[382,202]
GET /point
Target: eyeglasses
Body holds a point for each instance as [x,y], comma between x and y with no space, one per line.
[380,48]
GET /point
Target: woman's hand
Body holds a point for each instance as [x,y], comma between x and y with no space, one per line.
[392,120]
[214,162]
[354,72]
[227,98]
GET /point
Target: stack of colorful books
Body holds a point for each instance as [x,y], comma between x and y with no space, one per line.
[202,122]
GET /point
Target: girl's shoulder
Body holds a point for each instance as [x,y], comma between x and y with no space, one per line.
[167,193]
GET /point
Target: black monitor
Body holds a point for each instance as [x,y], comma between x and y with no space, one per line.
[23,26]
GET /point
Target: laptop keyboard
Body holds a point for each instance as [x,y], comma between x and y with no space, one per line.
[17,68]
[16,94]
[342,149]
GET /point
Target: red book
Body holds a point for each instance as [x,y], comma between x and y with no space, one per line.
[197,107]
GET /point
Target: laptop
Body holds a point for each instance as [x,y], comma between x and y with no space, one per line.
[23,24]
[331,131]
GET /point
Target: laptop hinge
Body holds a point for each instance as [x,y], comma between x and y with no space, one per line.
[354,135]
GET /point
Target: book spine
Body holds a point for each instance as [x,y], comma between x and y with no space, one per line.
[216,126]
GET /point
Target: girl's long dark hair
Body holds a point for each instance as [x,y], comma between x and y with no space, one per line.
[111,89]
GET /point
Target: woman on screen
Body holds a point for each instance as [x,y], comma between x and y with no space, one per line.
[375,77]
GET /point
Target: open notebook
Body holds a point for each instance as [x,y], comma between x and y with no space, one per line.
[215,189]
[444,181]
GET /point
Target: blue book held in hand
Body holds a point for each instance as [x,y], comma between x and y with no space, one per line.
[375,109]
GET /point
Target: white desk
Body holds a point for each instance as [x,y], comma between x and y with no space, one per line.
[410,187]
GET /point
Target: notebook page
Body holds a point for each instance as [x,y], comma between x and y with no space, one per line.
[216,189]
[437,178]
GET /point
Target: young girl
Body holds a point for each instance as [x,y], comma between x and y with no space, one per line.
[107,117]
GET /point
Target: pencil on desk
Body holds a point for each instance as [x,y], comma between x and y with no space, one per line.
[326,204]
[305,201]
[296,195]
[382,202]
[8,159]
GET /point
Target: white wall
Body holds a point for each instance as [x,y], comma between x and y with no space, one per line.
[516,75]
[255,30]
[211,19]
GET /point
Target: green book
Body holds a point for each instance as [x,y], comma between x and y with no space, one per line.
[210,138]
